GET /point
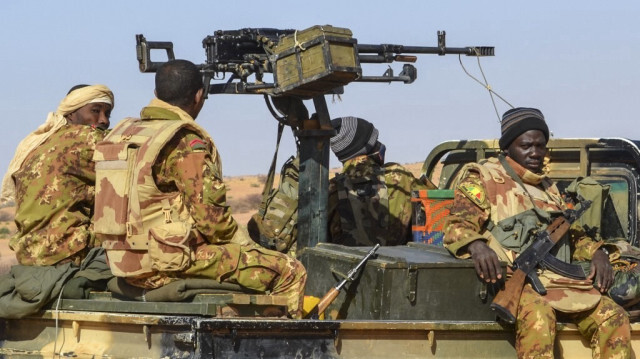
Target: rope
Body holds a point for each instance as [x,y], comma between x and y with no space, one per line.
[57,311]
[295,40]
[485,84]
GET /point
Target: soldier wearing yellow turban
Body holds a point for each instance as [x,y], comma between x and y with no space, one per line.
[52,179]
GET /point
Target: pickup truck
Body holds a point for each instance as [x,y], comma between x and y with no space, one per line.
[412,301]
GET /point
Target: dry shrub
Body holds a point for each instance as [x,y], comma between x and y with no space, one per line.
[8,204]
[6,216]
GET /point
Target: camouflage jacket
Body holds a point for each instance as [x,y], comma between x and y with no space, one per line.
[369,203]
[486,194]
[187,165]
[54,197]
[486,198]
[173,200]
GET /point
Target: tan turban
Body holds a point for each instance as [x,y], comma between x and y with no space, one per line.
[73,101]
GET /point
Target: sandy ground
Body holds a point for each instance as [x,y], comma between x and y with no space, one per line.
[244,196]
[7,258]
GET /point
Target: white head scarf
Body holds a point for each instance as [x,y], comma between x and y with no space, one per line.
[73,101]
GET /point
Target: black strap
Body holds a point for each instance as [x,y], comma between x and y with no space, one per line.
[268,185]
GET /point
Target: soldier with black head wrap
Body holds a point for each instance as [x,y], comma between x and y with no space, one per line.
[369,201]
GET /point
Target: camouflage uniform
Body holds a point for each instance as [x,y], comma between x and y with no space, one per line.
[370,204]
[187,174]
[54,198]
[487,197]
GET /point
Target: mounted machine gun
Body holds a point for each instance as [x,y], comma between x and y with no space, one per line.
[304,63]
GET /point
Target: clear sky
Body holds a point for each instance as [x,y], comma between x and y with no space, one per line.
[578,61]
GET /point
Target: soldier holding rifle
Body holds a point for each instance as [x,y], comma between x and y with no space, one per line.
[500,205]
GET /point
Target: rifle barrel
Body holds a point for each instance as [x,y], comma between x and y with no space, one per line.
[352,273]
[331,295]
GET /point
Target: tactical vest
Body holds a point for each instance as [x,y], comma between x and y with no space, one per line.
[363,207]
[143,229]
[277,216]
[511,225]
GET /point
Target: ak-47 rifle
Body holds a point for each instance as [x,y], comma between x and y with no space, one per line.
[331,295]
[305,63]
[505,303]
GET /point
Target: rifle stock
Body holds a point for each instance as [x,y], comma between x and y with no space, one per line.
[322,305]
[505,303]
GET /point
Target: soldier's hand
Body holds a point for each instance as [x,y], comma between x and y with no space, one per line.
[601,271]
[485,260]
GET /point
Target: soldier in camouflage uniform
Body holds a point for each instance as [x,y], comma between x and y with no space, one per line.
[369,201]
[55,179]
[492,218]
[161,203]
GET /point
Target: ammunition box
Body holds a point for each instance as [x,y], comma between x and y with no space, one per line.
[413,282]
[315,61]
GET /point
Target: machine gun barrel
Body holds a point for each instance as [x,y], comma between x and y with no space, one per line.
[391,52]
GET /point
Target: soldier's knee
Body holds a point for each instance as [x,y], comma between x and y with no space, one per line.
[613,317]
[299,270]
[611,309]
[533,305]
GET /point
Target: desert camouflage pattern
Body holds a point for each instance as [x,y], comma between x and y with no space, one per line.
[568,295]
[605,327]
[503,198]
[370,204]
[143,229]
[176,222]
[54,198]
[485,192]
[275,225]
[258,268]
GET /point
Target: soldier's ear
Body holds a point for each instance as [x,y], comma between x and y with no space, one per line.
[199,96]
[71,117]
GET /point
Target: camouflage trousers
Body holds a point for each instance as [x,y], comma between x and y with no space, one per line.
[256,268]
[606,327]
